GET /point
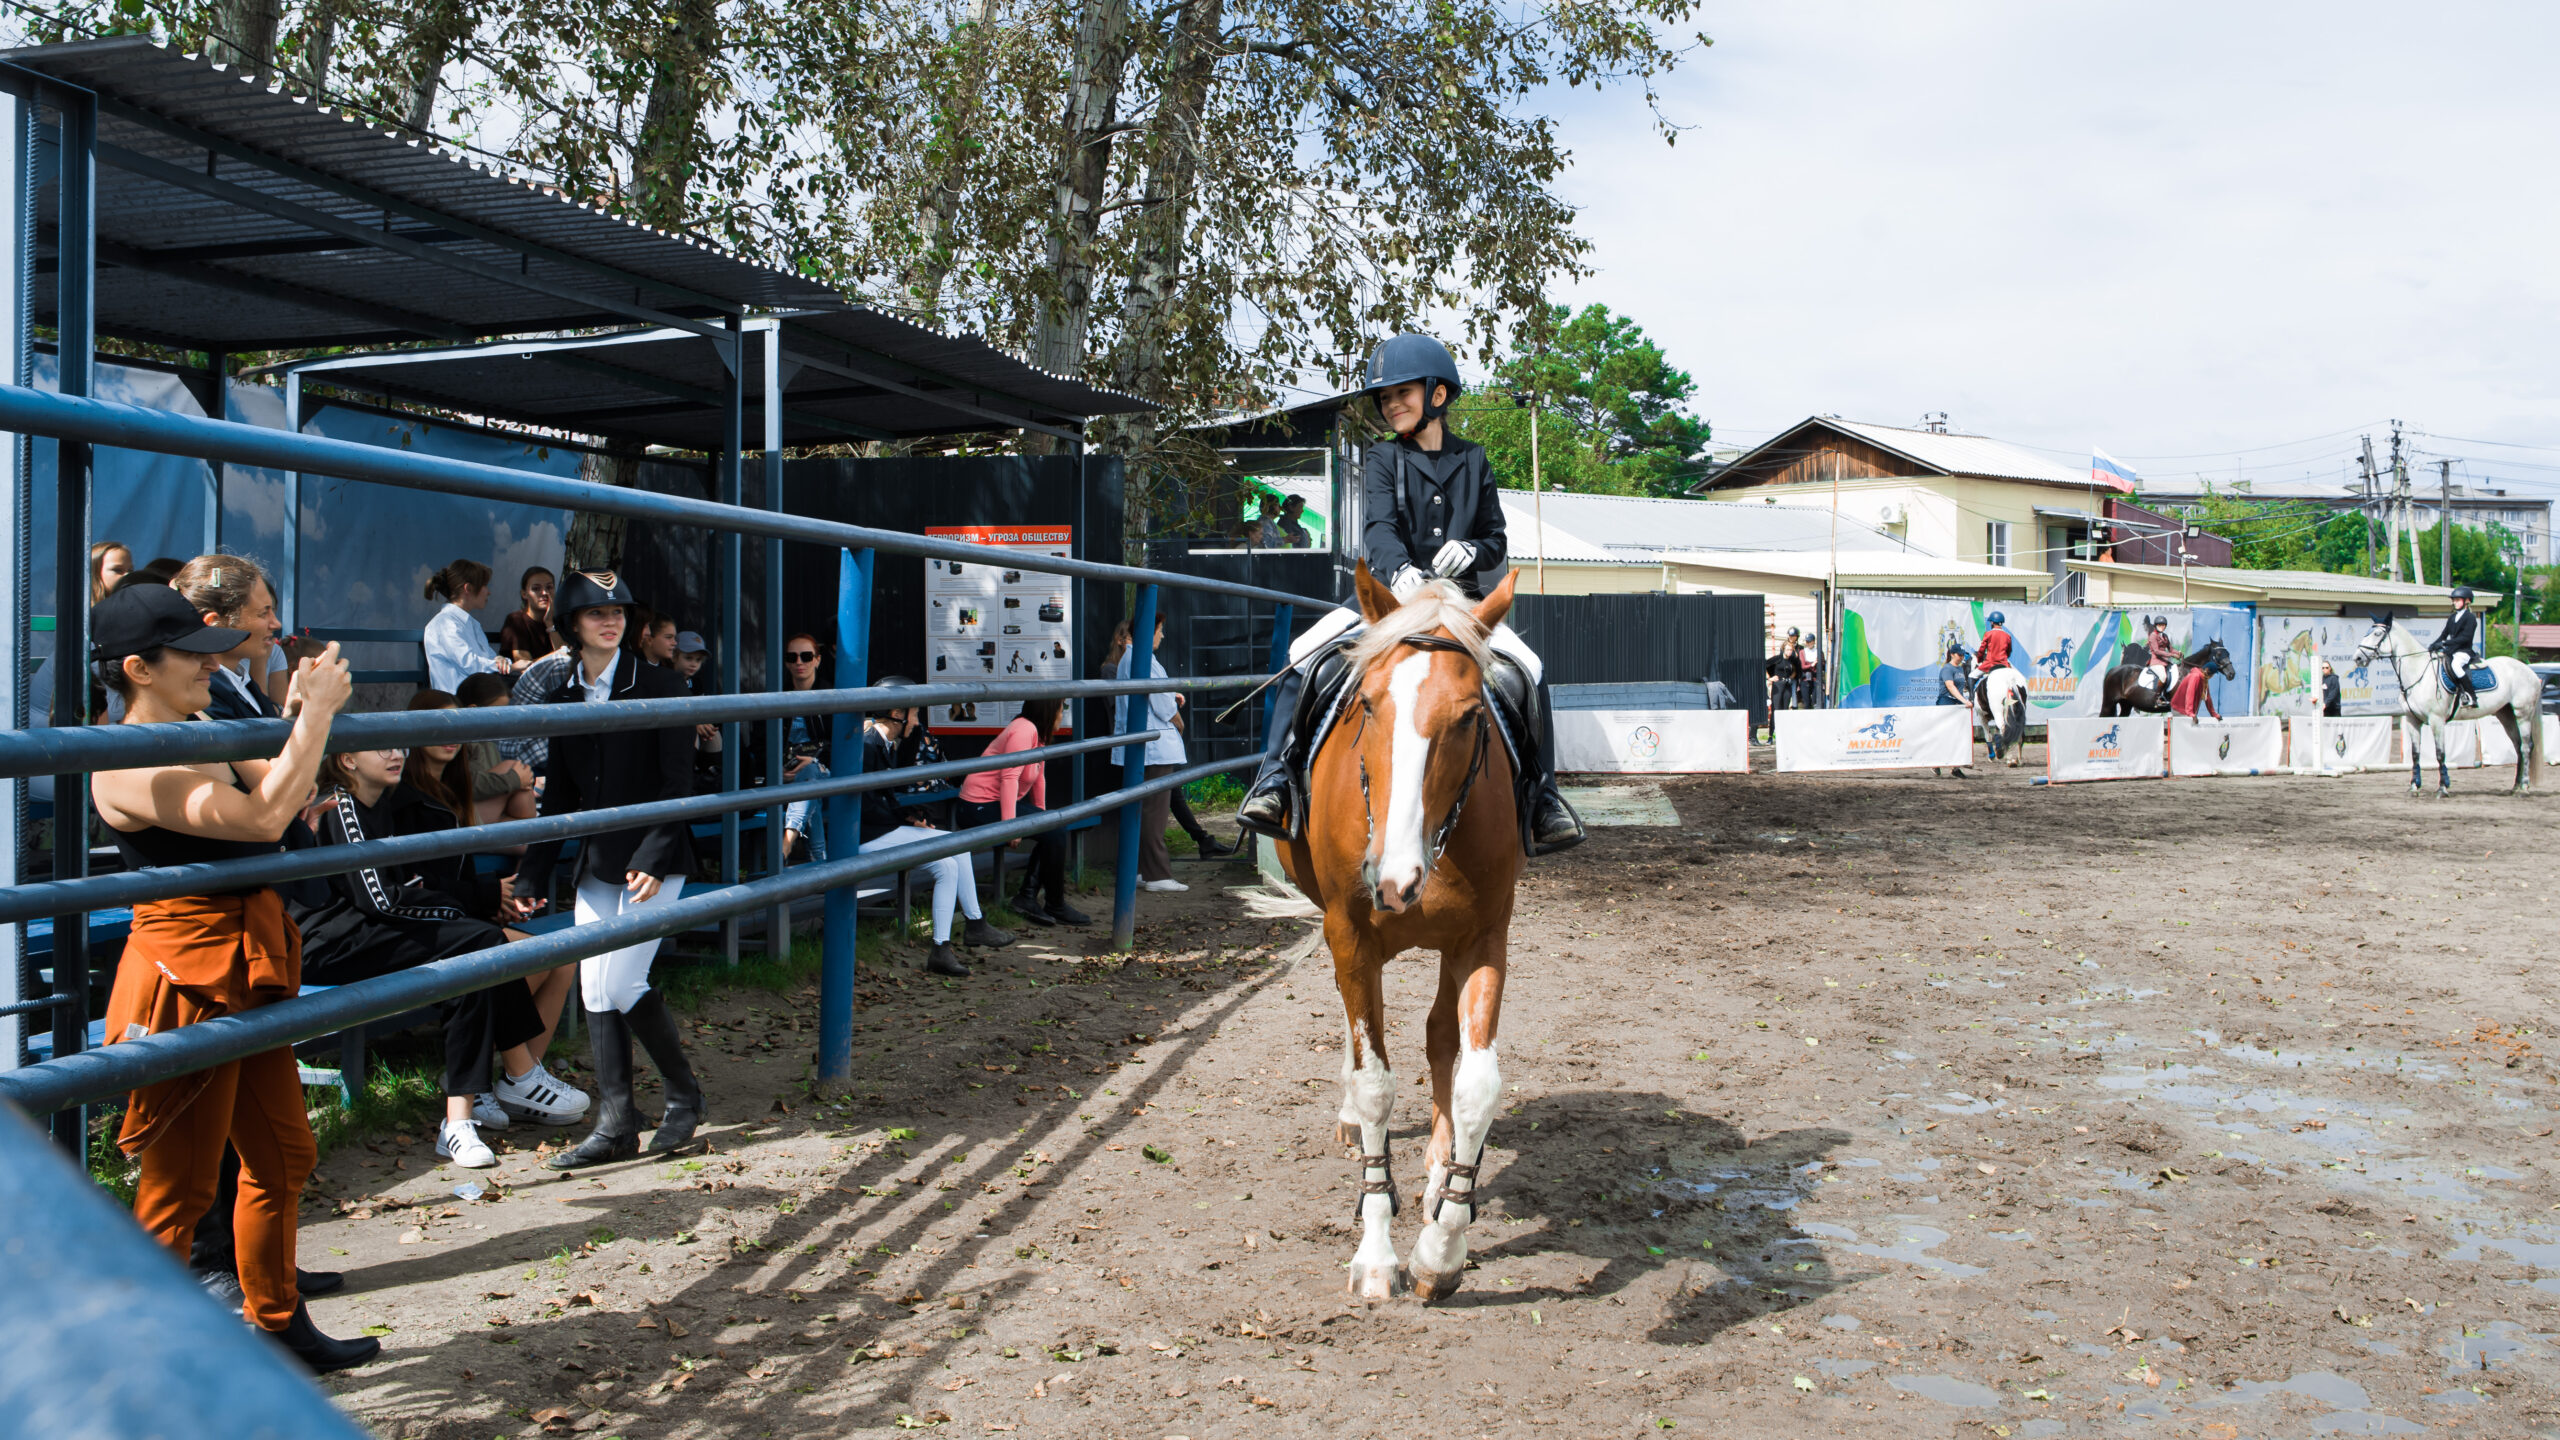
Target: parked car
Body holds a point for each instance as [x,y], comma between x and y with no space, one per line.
[2549,670]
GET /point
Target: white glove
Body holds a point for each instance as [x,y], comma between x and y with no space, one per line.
[1455,558]
[1406,583]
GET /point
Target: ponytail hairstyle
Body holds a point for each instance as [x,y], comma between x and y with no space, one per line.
[220,584]
[457,579]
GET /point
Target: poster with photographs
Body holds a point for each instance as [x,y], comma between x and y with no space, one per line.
[1000,621]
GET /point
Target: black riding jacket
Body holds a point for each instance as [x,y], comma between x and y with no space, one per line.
[1418,500]
[624,767]
[2461,634]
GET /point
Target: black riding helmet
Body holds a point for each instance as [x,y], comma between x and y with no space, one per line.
[2462,592]
[587,590]
[1406,358]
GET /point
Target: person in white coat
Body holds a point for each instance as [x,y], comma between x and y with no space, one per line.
[1165,754]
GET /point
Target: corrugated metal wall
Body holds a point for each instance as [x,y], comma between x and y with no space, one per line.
[1601,639]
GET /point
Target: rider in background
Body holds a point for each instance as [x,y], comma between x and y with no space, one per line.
[1809,675]
[1434,510]
[2164,656]
[2460,642]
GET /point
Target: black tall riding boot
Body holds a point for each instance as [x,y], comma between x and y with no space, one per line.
[655,1026]
[1552,824]
[617,1132]
[1270,803]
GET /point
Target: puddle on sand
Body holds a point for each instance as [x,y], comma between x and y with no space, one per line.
[2380,1347]
[1965,1104]
[2043,1429]
[1947,1390]
[1849,1369]
[2440,1186]
[2537,1252]
[1919,1176]
[2014,1237]
[2320,1385]
[2083,1347]
[1915,1241]
[2504,1343]
[1841,1322]
[2454,1397]
[2363,1422]
[2047,1316]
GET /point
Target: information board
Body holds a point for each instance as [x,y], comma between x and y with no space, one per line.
[1007,620]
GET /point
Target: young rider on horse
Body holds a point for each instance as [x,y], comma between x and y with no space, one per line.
[2164,656]
[1434,510]
[1996,644]
[2460,642]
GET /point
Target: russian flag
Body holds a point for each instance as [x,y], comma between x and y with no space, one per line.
[2107,470]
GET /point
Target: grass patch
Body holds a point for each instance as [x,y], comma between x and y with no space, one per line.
[1217,793]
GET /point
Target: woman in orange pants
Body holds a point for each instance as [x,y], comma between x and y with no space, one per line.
[199,956]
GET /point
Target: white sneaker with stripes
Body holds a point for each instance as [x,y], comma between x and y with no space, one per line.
[459,1141]
[487,1113]
[541,1097]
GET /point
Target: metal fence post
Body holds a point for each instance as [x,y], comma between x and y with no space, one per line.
[75,279]
[778,923]
[1133,771]
[17,351]
[836,973]
[729,572]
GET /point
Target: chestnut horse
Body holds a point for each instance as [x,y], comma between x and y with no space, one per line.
[1412,841]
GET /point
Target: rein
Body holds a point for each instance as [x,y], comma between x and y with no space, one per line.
[1457,807]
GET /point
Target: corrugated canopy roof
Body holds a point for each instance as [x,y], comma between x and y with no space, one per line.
[232,217]
[847,375]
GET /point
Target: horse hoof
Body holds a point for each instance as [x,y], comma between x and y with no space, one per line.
[1375,1282]
[1428,1287]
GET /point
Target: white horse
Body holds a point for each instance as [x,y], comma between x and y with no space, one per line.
[2428,704]
[2000,705]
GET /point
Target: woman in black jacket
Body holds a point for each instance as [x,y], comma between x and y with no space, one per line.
[619,869]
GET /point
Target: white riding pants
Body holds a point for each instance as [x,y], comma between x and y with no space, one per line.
[1343,620]
[617,979]
[954,882]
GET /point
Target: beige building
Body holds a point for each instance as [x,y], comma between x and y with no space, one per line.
[1964,497]
[2271,592]
[1573,544]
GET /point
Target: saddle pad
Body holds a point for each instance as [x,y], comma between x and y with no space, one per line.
[1331,704]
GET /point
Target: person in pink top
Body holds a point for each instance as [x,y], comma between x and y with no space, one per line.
[992,795]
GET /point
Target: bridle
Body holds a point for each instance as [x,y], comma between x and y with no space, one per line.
[1449,823]
[2373,650]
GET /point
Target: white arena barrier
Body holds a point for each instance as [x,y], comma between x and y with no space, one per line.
[2240,745]
[2468,744]
[1897,739]
[2341,744]
[1653,742]
[2551,739]
[2084,747]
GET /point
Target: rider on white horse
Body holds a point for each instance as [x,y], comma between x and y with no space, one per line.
[1997,642]
[2460,643]
[1434,511]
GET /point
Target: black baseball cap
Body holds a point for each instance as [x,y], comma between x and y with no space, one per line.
[140,617]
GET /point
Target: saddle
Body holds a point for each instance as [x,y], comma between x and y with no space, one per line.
[2469,687]
[1327,694]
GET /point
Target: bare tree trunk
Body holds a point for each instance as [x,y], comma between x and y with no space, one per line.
[663,161]
[319,47]
[956,122]
[1173,166]
[595,541]
[1093,102]
[441,26]
[244,34]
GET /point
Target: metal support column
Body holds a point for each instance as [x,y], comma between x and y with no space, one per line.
[289,570]
[75,279]
[729,570]
[208,388]
[17,350]
[777,936]
[1133,769]
[1079,712]
[836,974]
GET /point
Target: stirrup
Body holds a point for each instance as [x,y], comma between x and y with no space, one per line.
[1269,811]
[1539,845]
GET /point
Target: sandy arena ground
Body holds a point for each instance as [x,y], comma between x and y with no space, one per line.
[1892,1106]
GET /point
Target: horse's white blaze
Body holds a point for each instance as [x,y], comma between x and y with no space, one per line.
[1402,842]
[1475,1092]
[1368,1095]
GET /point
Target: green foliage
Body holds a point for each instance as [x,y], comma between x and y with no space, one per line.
[1613,417]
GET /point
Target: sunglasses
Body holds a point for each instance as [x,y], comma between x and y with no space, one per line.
[799,657]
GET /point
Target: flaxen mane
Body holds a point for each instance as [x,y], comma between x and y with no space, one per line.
[1438,605]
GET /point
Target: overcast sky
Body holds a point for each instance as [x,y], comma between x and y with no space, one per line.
[2192,234]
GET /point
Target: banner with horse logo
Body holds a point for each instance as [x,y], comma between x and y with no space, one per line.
[1891,646]
[1874,739]
[2239,745]
[1656,742]
[2291,647]
[2083,747]
[2339,744]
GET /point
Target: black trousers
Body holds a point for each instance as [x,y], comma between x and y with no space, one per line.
[476,1025]
[1048,848]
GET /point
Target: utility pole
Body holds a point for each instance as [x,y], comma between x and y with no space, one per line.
[1538,489]
[2365,511]
[2444,569]
[2408,516]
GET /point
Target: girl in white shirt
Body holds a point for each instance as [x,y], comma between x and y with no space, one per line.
[456,645]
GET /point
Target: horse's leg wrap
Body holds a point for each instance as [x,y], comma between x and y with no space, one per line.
[1368,1096]
[1440,1253]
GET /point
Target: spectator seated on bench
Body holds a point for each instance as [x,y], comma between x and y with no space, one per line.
[885,825]
[990,796]
[377,921]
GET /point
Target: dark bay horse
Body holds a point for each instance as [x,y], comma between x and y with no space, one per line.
[2126,694]
[1412,841]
